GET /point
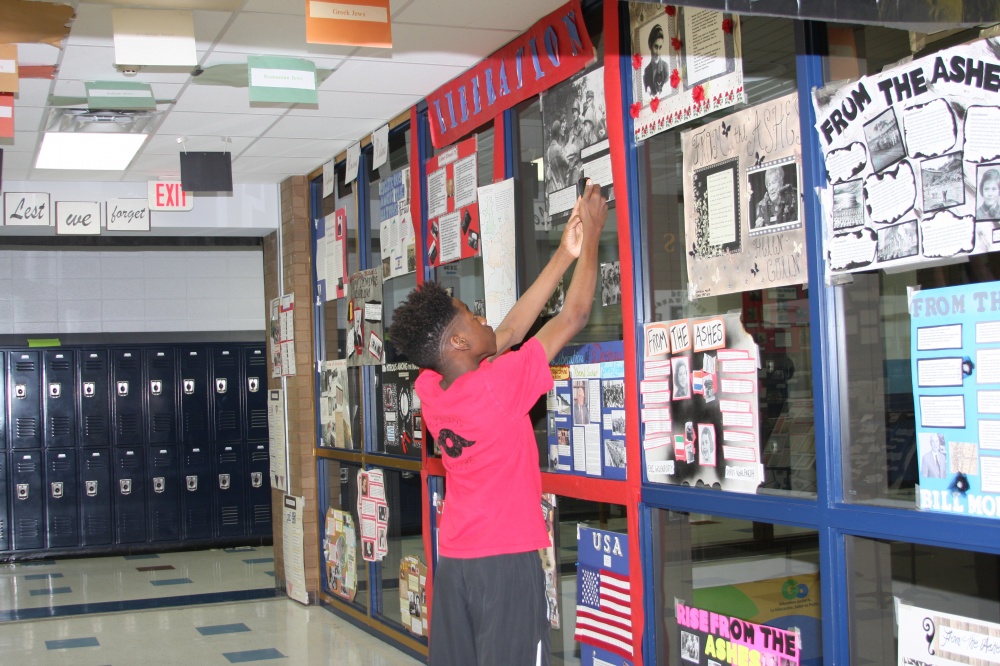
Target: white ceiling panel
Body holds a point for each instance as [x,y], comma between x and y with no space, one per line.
[23,142]
[517,16]
[278,148]
[299,127]
[273,34]
[398,77]
[32,92]
[29,118]
[346,104]
[168,144]
[214,124]
[438,45]
[37,54]
[267,165]
[218,99]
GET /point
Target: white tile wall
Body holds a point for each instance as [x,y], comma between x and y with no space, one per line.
[51,292]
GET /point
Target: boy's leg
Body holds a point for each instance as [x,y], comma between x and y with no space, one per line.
[509,611]
[452,639]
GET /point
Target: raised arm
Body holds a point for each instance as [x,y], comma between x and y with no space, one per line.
[593,211]
[519,320]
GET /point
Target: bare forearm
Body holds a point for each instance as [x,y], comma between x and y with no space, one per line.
[519,320]
[580,295]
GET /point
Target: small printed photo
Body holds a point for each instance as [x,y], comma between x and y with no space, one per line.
[552,423]
[562,405]
[848,202]
[389,393]
[706,444]
[581,401]
[988,192]
[934,460]
[690,647]
[680,368]
[898,241]
[383,513]
[618,423]
[614,453]
[943,182]
[614,393]
[611,288]
[774,196]
[884,141]
[386,268]
[653,43]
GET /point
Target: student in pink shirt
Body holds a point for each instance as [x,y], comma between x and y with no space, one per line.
[489,606]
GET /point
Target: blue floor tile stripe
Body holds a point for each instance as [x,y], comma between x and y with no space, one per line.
[42,576]
[172,581]
[135,604]
[240,549]
[72,643]
[260,560]
[145,556]
[218,629]
[252,655]
[50,590]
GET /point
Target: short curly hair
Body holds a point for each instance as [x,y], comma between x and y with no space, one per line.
[419,323]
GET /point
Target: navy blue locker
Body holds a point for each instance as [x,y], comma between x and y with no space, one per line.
[163,490]
[196,498]
[161,395]
[27,500]
[94,398]
[3,431]
[126,387]
[230,490]
[259,493]
[130,500]
[24,406]
[4,503]
[227,419]
[194,394]
[255,383]
[94,491]
[58,401]
[61,499]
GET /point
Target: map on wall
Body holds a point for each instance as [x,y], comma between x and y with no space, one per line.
[497,216]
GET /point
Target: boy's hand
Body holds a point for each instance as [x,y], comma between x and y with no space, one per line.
[572,238]
[592,208]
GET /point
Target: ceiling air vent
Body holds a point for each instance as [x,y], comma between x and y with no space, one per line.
[99,122]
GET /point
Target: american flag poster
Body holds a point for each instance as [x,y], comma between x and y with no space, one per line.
[603,598]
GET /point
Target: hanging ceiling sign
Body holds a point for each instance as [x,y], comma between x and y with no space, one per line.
[8,68]
[126,95]
[353,23]
[550,52]
[6,116]
[277,79]
[154,37]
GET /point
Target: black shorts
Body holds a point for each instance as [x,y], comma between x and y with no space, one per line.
[489,611]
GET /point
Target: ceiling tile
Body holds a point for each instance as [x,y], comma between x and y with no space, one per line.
[438,45]
[33,92]
[518,16]
[299,127]
[37,54]
[279,148]
[267,165]
[28,118]
[217,124]
[346,104]
[23,142]
[273,34]
[97,63]
[399,77]
[168,144]
[93,26]
[219,99]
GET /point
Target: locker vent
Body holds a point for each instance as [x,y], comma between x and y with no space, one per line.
[133,525]
[227,420]
[228,457]
[95,463]
[166,362]
[129,464]
[93,365]
[262,514]
[60,464]
[60,364]
[127,362]
[25,466]
[95,525]
[61,526]
[25,427]
[163,461]
[225,361]
[24,366]
[194,459]
[258,418]
[94,425]
[230,515]
[198,520]
[128,424]
[164,522]
[163,423]
[259,456]
[255,361]
[194,422]
[60,426]
[3,529]
[28,528]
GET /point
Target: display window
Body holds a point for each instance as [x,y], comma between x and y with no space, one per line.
[344,571]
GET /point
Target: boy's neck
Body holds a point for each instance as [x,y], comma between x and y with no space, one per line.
[456,366]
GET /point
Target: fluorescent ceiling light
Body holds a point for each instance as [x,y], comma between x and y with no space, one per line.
[88,152]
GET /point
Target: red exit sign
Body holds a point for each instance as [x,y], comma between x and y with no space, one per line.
[169,195]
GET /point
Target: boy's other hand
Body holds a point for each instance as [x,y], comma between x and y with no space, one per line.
[572,238]
[592,208]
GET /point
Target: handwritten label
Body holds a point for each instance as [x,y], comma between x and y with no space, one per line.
[656,340]
[680,336]
[709,334]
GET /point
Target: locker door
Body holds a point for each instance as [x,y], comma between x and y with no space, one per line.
[255,385]
[230,490]
[194,395]
[94,398]
[196,498]
[61,499]
[259,493]
[94,491]
[130,501]
[24,404]
[27,500]
[3,416]
[58,399]
[161,396]
[4,504]
[126,387]
[163,490]
[226,410]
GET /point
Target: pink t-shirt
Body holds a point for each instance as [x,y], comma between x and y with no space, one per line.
[494,486]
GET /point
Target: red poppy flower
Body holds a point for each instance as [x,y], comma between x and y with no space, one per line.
[676,43]
[634,110]
[698,94]
[654,104]
[727,26]
[636,61]
[675,79]
[670,10]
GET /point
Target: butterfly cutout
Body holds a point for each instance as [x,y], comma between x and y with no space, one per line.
[759,159]
[797,248]
[726,128]
[755,270]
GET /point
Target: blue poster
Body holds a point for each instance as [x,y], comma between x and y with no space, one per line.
[603,598]
[955,352]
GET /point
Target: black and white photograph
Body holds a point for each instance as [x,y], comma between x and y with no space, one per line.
[885,145]
[614,393]
[690,647]
[848,202]
[383,513]
[898,241]
[988,192]
[652,42]
[574,119]
[611,287]
[581,401]
[389,396]
[618,422]
[774,196]
[943,182]
[555,303]
[706,444]
[680,369]
[562,405]
[614,453]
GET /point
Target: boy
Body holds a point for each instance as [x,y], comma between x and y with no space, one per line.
[489,606]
